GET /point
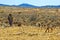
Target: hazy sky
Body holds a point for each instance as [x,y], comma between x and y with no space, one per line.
[33,2]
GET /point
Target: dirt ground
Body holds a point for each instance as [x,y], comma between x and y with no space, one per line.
[28,33]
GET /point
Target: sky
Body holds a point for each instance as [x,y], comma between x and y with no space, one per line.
[33,2]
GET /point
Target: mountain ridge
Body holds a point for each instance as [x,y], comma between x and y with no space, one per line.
[25,5]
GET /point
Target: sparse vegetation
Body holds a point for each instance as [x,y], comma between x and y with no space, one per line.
[41,20]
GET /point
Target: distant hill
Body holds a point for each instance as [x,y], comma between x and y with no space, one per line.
[25,5]
[50,6]
[28,6]
[3,5]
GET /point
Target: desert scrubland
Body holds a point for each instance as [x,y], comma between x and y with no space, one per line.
[30,23]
